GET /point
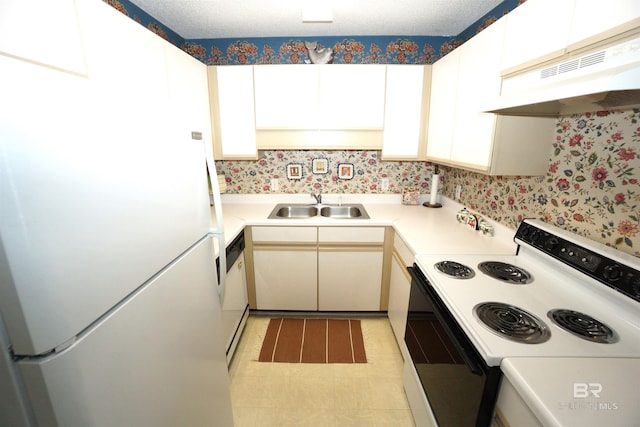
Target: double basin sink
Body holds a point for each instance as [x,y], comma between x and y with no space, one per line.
[300,210]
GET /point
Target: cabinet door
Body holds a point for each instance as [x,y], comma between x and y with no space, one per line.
[349,279]
[286,96]
[286,279]
[478,80]
[232,112]
[42,31]
[406,100]
[536,31]
[399,298]
[351,96]
[594,20]
[444,87]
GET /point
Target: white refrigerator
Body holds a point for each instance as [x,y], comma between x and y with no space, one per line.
[109,304]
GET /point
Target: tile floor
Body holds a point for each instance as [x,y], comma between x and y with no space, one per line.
[340,395]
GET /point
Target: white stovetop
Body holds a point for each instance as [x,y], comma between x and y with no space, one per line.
[552,287]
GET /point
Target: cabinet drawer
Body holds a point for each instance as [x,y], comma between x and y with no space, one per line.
[284,234]
[351,234]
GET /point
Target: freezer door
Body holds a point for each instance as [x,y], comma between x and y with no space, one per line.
[89,209]
[157,360]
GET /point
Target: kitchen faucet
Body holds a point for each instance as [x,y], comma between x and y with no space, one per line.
[317,196]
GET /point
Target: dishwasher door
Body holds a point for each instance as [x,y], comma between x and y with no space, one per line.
[235,305]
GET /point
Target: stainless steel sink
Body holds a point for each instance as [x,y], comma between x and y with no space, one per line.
[299,211]
[344,211]
[294,211]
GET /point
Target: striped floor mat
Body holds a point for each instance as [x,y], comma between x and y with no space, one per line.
[313,341]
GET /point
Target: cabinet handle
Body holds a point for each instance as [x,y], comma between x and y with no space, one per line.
[239,265]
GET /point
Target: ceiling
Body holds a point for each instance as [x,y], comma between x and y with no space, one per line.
[215,19]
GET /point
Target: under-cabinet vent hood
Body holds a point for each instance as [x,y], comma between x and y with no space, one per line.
[605,79]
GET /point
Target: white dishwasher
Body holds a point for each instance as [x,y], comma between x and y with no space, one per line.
[235,305]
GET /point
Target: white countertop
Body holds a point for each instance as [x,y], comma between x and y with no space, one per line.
[424,230]
[606,390]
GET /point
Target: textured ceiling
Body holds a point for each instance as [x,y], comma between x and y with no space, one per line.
[214,19]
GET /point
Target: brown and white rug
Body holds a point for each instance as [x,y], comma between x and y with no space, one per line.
[313,341]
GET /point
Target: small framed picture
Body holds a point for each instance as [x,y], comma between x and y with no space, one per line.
[345,170]
[294,171]
[320,166]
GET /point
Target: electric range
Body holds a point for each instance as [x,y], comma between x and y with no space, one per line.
[553,270]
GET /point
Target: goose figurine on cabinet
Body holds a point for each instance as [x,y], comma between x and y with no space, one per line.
[319,56]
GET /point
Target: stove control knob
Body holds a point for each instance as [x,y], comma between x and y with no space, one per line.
[535,236]
[612,272]
[551,244]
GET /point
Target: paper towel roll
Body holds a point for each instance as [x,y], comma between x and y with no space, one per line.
[435,180]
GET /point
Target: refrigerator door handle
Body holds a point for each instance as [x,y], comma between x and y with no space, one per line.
[219,231]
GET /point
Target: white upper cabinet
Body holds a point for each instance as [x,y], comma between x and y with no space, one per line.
[444,89]
[406,112]
[461,135]
[595,20]
[478,80]
[232,112]
[351,96]
[325,97]
[536,31]
[61,47]
[286,96]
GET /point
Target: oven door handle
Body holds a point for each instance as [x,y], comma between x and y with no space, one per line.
[457,336]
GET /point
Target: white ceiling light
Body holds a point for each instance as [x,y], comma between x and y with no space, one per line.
[317,11]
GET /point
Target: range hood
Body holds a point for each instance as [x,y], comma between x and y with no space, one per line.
[600,80]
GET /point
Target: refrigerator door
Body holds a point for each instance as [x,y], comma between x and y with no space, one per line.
[88,211]
[157,359]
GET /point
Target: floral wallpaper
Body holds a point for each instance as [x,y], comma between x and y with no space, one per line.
[347,50]
[143,18]
[592,185]
[254,177]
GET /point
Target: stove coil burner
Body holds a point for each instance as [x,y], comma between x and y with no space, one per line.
[455,269]
[505,272]
[512,322]
[583,326]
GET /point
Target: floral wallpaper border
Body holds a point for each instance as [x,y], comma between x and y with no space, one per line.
[286,50]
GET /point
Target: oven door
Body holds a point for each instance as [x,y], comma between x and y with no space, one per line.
[460,387]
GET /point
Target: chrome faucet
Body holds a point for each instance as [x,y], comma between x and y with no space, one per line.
[317,196]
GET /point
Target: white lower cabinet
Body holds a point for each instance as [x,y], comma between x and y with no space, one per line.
[349,279]
[318,268]
[511,409]
[285,266]
[286,279]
